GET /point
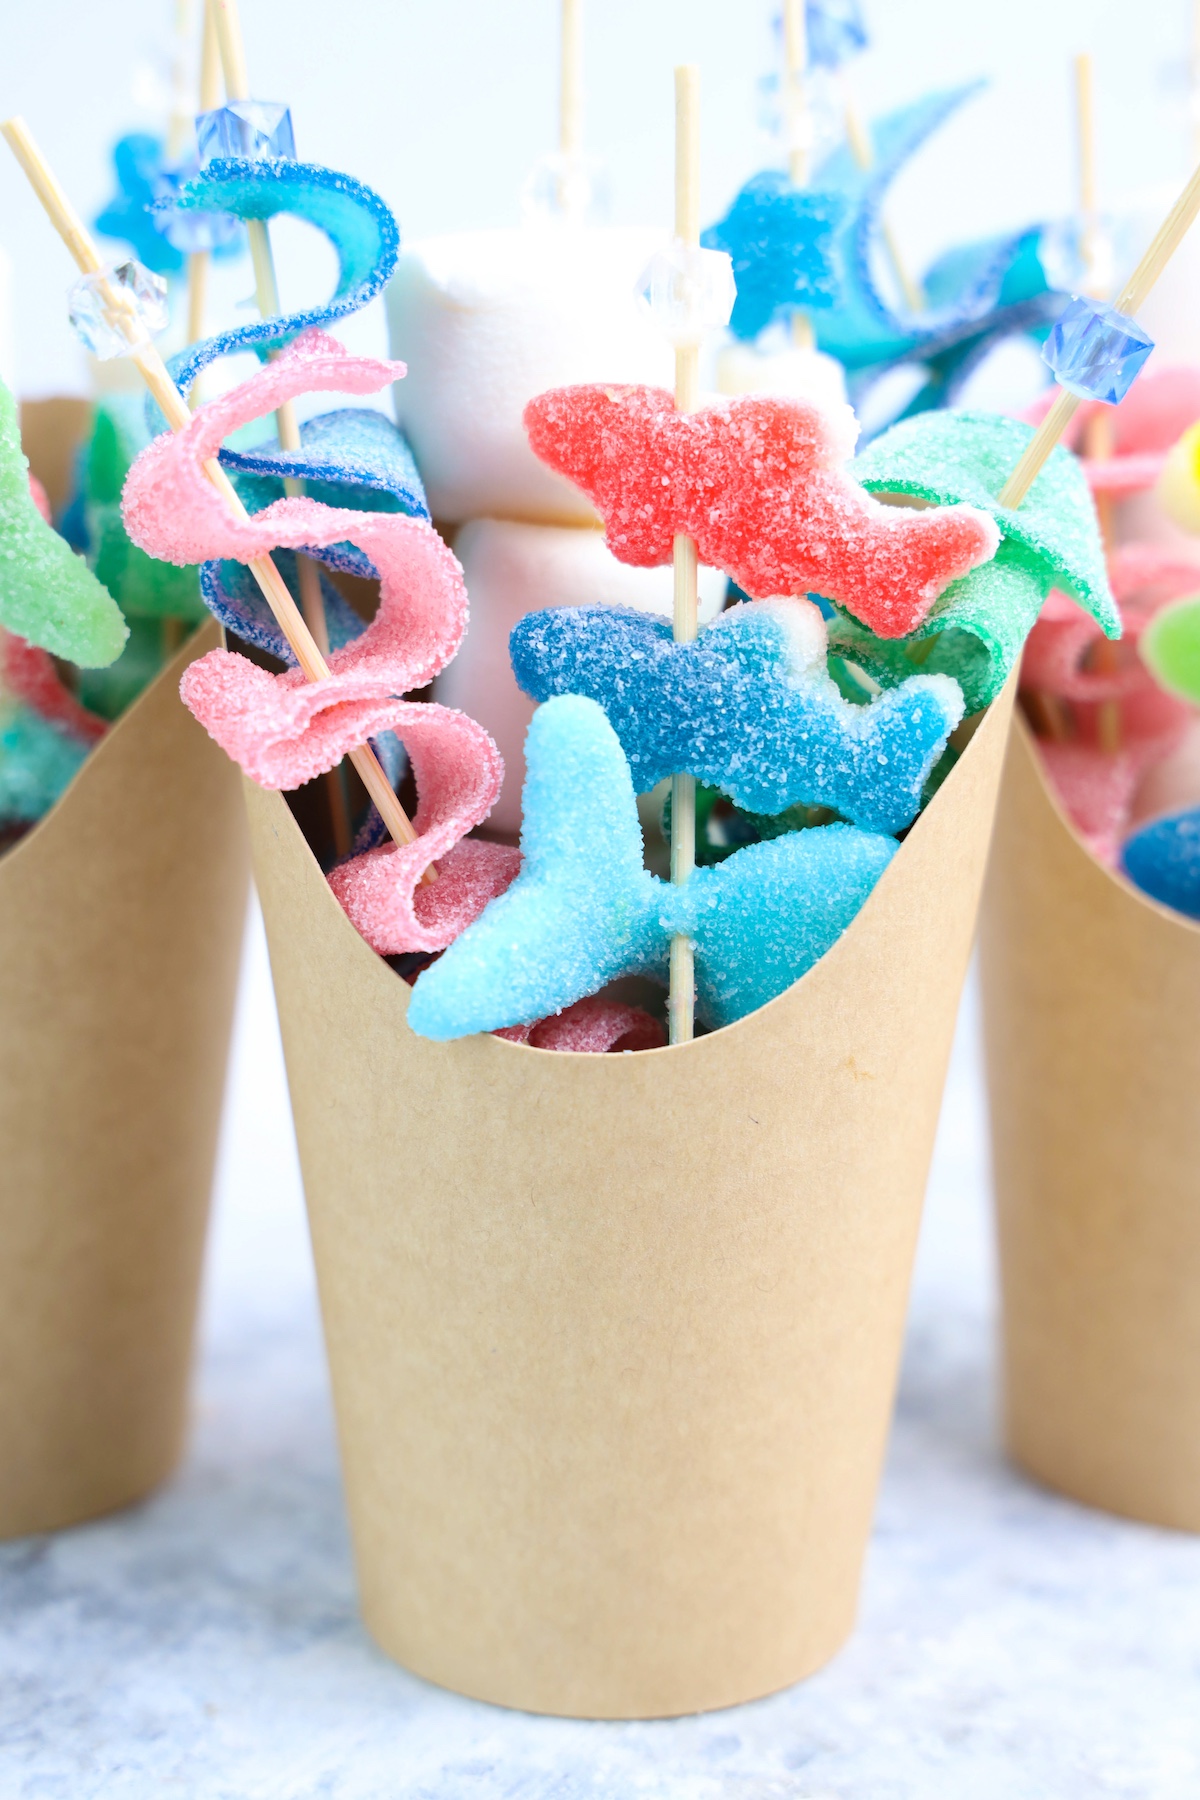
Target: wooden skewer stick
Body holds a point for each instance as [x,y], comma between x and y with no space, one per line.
[798,125]
[266,294]
[1098,436]
[1163,246]
[681,1003]
[122,313]
[199,260]
[570,88]
[180,121]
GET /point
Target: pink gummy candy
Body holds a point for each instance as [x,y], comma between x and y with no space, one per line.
[283,729]
[40,497]
[1154,414]
[760,483]
[596,1026]
[32,676]
[1096,789]
[1097,786]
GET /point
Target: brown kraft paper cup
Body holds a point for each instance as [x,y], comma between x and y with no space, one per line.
[1092,1025]
[614,1339]
[121,919]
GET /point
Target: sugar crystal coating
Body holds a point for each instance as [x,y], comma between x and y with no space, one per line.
[48,595]
[282,729]
[760,483]
[749,707]
[974,296]
[584,910]
[976,629]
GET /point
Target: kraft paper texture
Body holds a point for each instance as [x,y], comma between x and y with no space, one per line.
[121,919]
[614,1339]
[1092,1011]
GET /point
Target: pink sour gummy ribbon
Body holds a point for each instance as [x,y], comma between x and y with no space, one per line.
[282,729]
[761,484]
[1097,786]
[1151,418]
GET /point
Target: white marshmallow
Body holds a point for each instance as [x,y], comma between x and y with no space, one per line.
[804,374]
[511,569]
[486,320]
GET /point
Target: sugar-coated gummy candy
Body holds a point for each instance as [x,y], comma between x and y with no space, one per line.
[976,630]
[487,319]
[779,238]
[748,707]
[354,457]
[1163,859]
[1152,417]
[596,1026]
[975,295]
[512,568]
[47,593]
[282,729]
[760,483]
[139,166]
[584,911]
[142,586]
[352,216]
[28,674]
[1179,484]
[45,735]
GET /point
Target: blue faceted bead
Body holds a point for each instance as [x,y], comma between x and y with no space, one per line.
[258,129]
[836,32]
[1095,351]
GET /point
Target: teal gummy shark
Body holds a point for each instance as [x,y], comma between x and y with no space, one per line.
[749,707]
[584,911]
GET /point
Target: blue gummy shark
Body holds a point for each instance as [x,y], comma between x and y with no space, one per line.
[749,707]
[584,911]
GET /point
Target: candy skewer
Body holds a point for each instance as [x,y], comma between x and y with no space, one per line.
[681,1003]
[797,125]
[266,294]
[1098,438]
[1162,248]
[570,92]
[154,373]
[199,261]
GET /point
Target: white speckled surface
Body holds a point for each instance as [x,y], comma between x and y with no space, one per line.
[1012,1646]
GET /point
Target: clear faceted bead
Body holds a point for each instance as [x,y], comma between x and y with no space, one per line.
[1095,351]
[259,129]
[118,309]
[571,188]
[689,291]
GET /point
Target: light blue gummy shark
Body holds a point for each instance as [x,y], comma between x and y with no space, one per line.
[584,911]
[749,707]
[974,295]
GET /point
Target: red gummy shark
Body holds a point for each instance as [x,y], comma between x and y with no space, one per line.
[760,483]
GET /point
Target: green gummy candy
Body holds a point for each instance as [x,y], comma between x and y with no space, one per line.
[976,629]
[144,587]
[47,593]
[37,763]
[1170,648]
[107,692]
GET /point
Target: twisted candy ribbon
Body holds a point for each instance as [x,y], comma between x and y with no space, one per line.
[760,483]
[975,295]
[282,729]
